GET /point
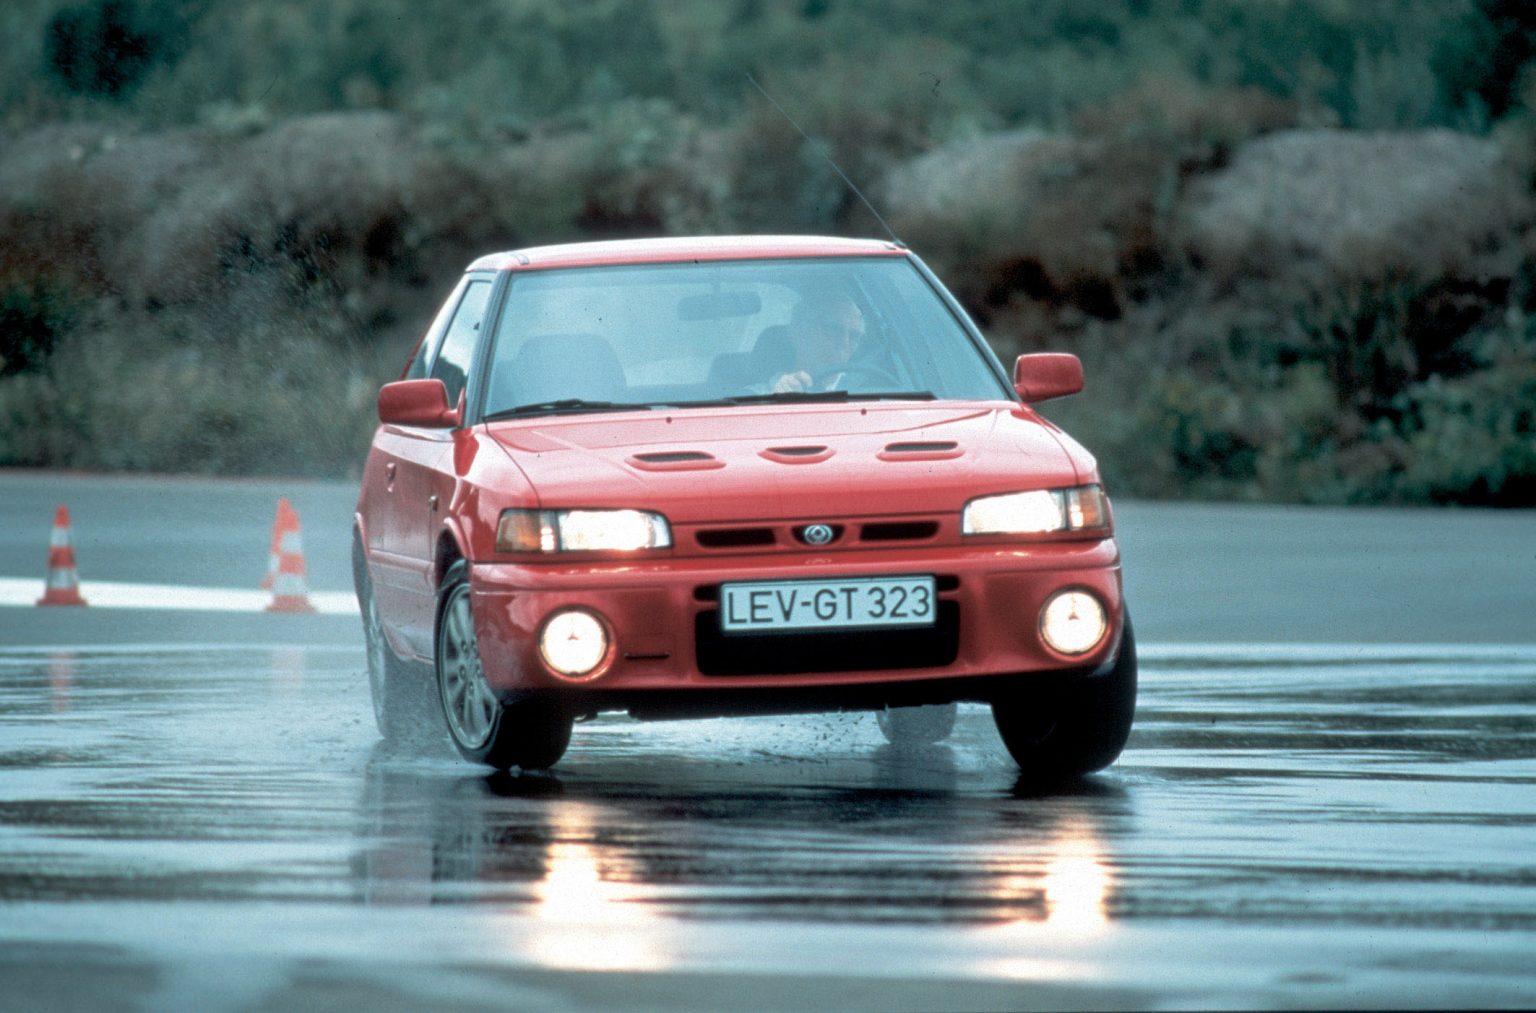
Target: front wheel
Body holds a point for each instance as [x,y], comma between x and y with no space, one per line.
[1068,729]
[531,733]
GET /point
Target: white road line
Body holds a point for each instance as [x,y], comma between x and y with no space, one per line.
[1324,652]
[31,652]
[20,591]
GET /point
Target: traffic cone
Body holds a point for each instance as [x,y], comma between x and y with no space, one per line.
[63,582]
[283,522]
[289,582]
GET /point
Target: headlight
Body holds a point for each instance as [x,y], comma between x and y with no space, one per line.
[581,531]
[1037,512]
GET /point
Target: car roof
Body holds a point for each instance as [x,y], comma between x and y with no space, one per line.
[683,248]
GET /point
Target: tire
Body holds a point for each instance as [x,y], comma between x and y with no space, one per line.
[531,733]
[1073,727]
[399,690]
[917,726]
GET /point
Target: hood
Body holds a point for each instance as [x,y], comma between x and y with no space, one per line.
[783,462]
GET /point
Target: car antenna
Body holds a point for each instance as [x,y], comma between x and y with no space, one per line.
[828,156]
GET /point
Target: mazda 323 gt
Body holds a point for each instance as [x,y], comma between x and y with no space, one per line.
[730,476]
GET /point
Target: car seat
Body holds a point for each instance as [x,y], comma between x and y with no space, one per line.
[551,367]
[740,372]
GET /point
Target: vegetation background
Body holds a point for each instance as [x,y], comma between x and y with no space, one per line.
[1292,239]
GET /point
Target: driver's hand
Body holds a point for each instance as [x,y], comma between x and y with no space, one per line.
[792,383]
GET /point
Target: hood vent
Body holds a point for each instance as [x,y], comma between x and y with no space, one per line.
[808,454]
[920,450]
[675,460]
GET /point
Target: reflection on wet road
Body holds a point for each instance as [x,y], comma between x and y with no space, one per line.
[1289,825]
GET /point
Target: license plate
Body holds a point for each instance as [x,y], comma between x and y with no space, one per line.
[851,603]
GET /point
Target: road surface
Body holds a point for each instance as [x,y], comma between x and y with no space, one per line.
[1329,798]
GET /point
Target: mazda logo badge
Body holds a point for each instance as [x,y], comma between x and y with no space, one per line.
[817,534]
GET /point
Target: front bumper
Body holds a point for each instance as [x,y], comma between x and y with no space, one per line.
[661,613]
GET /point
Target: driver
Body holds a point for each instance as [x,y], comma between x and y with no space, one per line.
[823,333]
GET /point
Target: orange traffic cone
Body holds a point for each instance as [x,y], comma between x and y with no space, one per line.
[284,521]
[63,583]
[289,585]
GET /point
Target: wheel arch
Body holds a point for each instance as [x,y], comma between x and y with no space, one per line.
[448,550]
[360,572]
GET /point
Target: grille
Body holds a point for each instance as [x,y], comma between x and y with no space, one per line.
[734,538]
[791,537]
[898,531]
[799,533]
[800,652]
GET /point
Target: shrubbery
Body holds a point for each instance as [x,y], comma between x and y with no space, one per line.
[224,220]
[104,48]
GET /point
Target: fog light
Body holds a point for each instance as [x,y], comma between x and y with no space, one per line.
[1073,622]
[574,644]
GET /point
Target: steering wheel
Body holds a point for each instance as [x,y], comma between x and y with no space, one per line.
[855,374]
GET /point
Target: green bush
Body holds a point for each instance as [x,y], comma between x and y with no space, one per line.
[105,48]
[127,396]
[33,314]
[1230,408]
[247,211]
[975,66]
[1472,438]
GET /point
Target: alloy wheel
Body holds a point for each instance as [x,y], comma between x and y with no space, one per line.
[468,702]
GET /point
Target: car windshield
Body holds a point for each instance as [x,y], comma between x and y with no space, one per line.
[615,338]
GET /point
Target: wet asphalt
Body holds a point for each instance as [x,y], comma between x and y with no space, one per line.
[196,812]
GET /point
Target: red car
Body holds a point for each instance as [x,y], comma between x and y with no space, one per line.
[734,475]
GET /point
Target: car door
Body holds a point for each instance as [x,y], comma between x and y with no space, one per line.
[407,514]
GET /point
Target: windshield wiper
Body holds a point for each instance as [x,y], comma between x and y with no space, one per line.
[565,404]
[814,396]
[577,404]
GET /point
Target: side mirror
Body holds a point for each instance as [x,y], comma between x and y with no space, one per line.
[1044,375]
[416,403]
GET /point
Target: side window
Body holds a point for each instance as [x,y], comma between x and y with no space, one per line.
[427,347]
[459,341]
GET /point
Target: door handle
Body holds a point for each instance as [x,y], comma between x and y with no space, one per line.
[389,471]
[432,502]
